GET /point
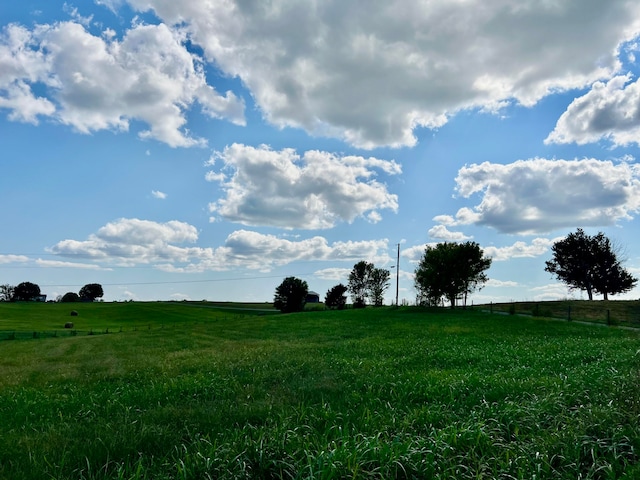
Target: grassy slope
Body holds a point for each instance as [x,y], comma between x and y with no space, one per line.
[379,393]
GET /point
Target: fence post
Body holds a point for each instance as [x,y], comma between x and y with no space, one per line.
[608,317]
[491,307]
[569,313]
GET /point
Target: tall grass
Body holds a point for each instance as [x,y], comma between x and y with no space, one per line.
[375,393]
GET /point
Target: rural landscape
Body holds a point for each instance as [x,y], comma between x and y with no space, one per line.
[301,239]
[196,390]
[305,390]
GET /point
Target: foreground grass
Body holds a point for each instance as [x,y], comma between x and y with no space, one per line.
[380,393]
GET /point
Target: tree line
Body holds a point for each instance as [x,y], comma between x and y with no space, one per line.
[28,292]
[451,271]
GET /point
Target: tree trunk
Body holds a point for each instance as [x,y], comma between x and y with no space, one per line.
[589,293]
[452,299]
[606,295]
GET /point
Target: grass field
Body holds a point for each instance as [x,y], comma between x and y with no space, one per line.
[184,391]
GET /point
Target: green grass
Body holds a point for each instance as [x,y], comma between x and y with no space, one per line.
[196,393]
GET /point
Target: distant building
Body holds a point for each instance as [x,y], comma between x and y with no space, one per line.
[40,298]
[313,297]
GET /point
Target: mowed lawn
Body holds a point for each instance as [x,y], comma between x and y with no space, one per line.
[184,391]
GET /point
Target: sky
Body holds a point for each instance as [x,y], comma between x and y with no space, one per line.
[207,149]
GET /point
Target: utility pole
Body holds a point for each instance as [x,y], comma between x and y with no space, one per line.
[397,274]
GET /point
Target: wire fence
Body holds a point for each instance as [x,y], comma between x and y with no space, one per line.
[614,313]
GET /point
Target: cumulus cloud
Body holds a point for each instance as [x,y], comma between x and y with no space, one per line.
[171,247]
[539,195]
[98,82]
[442,233]
[312,191]
[537,247]
[318,65]
[609,110]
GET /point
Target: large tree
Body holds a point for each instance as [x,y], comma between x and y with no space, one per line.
[90,292]
[26,291]
[378,284]
[589,263]
[291,295]
[451,270]
[335,297]
[6,292]
[359,283]
[367,282]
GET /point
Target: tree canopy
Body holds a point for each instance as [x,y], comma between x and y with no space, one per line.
[589,263]
[6,292]
[367,282]
[291,295]
[70,297]
[26,291]
[378,284]
[335,297]
[91,291]
[450,270]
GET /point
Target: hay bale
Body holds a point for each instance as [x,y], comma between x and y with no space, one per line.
[68,325]
[74,313]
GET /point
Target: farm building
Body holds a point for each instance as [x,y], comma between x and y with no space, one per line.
[313,297]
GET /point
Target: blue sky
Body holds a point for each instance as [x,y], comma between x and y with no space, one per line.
[208,149]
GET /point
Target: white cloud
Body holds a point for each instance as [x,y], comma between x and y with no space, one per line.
[539,195]
[317,65]
[555,291]
[58,264]
[148,76]
[609,110]
[131,242]
[337,274]
[13,259]
[158,194]
[537,247]
[492,282]
[440,232]
[312,191]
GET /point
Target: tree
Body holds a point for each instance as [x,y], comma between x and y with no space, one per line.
[359,283]
[90,292]
[589,263]
[335,297]
[291,295]
[70,297]
[26,291]
[378,284]
[6,292]
[450,270]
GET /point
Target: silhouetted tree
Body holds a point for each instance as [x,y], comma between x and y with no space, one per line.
[378,284]
[335,297]
[359,283]
[291,295]
[26,291]
[589,263]
[6,292]
[91,291]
